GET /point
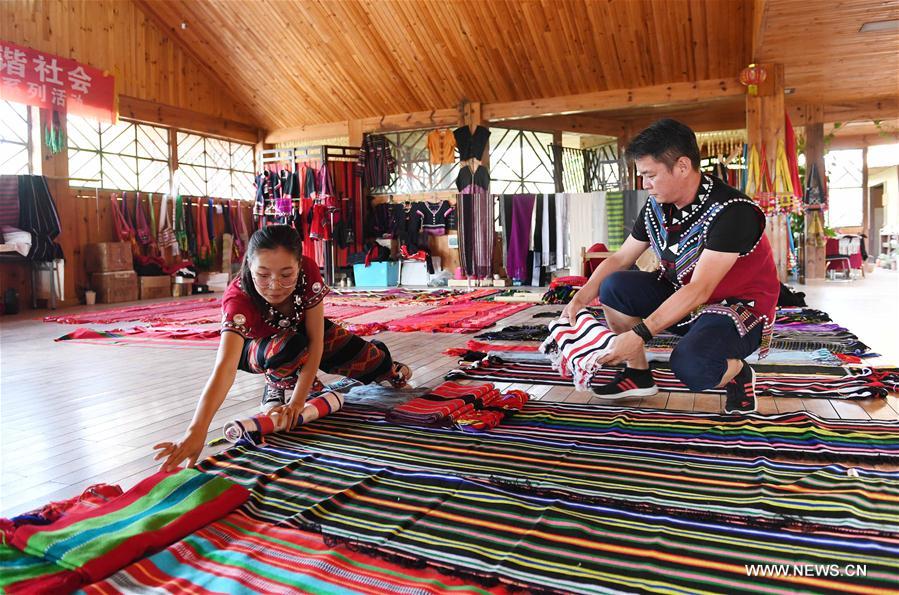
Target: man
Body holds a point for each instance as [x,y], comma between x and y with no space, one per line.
[716,286]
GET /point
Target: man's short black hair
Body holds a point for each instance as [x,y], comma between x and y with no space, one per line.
[666,141]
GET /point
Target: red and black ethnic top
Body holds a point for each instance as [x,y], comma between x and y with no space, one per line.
[724,219]
[242,316]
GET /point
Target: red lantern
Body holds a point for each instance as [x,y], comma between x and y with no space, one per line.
[752,76]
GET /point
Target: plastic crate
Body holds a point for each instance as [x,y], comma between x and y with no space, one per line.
[378,274]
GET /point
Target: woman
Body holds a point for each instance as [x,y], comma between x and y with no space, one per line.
[274,324]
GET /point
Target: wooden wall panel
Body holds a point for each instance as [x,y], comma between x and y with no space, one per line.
[116,36]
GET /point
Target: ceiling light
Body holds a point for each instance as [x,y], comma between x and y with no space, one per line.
[183,24]
[789,90]
[880,26]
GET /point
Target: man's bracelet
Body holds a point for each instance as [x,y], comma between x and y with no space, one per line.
[642,332]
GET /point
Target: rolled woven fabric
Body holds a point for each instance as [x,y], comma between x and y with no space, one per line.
[261,425]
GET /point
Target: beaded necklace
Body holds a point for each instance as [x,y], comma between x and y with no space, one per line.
[292,322]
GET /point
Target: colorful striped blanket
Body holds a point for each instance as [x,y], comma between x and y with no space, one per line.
[94,543]
[544,543]
[863,383]
[239,555]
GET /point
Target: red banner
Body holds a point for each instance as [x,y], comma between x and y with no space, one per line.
[55,83]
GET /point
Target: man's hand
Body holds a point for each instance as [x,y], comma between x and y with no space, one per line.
[572,308]
[628,347]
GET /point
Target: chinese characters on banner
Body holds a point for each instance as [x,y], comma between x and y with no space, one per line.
[55,83]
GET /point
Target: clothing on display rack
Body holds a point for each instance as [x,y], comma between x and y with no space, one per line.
[441,147]
[376,164]
[468,176]
[519,209]
[476,232]
[471,144]
[587,217]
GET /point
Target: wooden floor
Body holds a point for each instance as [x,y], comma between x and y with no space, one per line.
[72,415]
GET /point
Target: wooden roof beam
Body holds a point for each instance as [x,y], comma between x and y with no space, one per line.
[582,124]
[616,99]
[759,24]
[152,112]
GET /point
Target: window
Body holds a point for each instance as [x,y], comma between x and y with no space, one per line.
[520,162]
[415,172]
[15,141]
[844,174]
[122,156]
[213,167]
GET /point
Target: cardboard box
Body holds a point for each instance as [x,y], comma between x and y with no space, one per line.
[114,287]
[106,257]
[154,287]
[183,287]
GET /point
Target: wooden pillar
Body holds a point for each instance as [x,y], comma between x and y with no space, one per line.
[814,243]
[56,169]
[765,124]
[866,196]
[626,177]
[558,152]
[354,128]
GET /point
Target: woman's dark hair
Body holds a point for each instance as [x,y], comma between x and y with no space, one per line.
[268,238]
[666,141]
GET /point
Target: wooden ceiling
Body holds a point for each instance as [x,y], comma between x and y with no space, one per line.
[826,59]
[302,62]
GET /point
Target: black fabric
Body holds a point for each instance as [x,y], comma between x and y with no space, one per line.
[552,231]
[480,178]
[38,216]
[790,298]
[471,145]
[735,229]
[538,226]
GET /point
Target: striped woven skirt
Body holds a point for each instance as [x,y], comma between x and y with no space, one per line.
[281,357]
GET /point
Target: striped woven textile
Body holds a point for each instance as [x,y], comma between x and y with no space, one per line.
[574,347]
[256,427]
[462,317]
[21,573]
[239,555]
[864,383]
[156,512]
[189,312]
[547,544]
[195,311]
[799,496]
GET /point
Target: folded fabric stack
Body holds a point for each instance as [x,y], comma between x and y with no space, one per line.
[574,348]
[471,407]
[254,428]
[89,543]
[490,416]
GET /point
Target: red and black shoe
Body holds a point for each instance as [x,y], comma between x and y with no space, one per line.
[628,383]
[741,392]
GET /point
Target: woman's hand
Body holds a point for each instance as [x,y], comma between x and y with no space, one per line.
[189,448]
[290,413]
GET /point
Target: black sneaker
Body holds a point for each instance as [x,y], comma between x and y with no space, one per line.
[628,383]
[741,392]
[271,397]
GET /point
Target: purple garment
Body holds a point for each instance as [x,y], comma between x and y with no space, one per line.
[476,232]
[520,236]
[807,327]
[9,201]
